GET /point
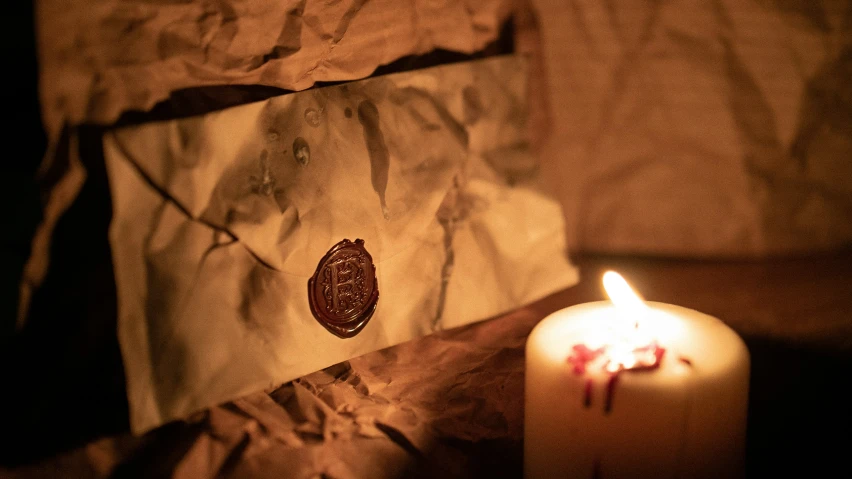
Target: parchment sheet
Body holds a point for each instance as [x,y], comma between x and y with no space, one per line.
[219,221]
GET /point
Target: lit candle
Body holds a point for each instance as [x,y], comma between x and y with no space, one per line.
[628,389]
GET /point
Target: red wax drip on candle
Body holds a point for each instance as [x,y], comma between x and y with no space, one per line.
[610,391]
[581,356]
[587,401]
[647,357]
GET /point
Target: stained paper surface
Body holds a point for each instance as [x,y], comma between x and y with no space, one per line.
[219,221]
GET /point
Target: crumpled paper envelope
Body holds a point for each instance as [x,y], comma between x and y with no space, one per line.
[219,221]
[102,60]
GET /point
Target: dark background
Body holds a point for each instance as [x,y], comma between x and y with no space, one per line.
[24,146]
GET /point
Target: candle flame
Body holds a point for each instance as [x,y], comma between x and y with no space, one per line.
[622,295]
[622,345]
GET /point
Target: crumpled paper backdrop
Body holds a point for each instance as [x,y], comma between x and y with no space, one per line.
[687,128]
[99,58]
[219,221]
[680,128]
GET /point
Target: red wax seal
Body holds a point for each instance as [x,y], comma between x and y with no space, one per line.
[343,291]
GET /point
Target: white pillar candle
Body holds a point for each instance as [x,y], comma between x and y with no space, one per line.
[628,389]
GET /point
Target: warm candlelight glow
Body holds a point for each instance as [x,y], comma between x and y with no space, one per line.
[623,344]
[634,389]
[622,295]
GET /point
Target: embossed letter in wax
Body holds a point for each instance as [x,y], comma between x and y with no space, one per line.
[343,291]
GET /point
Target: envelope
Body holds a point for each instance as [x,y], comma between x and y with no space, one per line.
[220,221]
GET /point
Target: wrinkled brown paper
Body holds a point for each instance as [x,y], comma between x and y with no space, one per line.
[449,405]
[100,58]
[691,128]
[219,221]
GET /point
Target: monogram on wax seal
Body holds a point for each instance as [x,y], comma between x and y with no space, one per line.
[343,291]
